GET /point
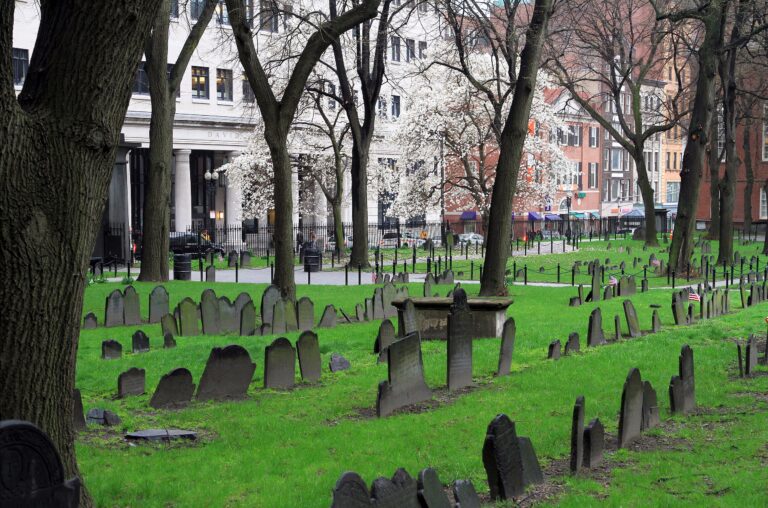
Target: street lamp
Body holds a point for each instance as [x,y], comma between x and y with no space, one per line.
[211,177]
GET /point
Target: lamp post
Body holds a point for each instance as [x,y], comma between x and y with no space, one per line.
[568,218]
[211,177]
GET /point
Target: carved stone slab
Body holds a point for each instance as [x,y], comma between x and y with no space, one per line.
[111,350]
[227,374]
[594,443]
[351,491]
[158,304]
[139,342]
[460,329]
[399,492]
[595,335]
[306,313]
[308,349]
[268,299]
[406,383]
[431,493]
[507,347]
[174,389]
[114,311]
[131,382]
[501,458]
[328,320]
[577,435]
[188,318]
[631,413]
[280,365]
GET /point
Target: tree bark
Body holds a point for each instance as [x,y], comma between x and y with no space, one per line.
[749,173]
[57,151]
[511,144]
[713,163]
[649,207]
[359,189]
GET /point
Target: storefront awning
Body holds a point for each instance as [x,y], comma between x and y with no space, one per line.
[577,215]
[468,215]
[595,215]
[534,216]
[552,217]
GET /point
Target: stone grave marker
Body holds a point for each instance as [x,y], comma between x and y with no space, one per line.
[114,311]
[227,374]
[553,352]
[232,259]
[655,322]
[507,347]
[248,319]
[268,299]
[616,328]
[158,304]
[245,259]
[608,292]
[210,313]
[406,320]
[132,313]
[308,349]
[168,341]
[574,301]
[399,492]
[751,357]
[509,469]
[229,320]
[328,320]
[460,327]
[241,301]
[278,317]
[389,293]
[384,339]
[741,364]
[572,345]
[689,316]
[210,273]
[743,294]
[430,489]
[405,384]
[160,435]
[306,313]
[291,320]
[280,365]
[346,316]
[465,495]
[594,443]
[131,382]
[168,324]
[378,304]
[631,316]
[210,257]
[678,307]
[350,491]
[139,342]
[577,435]
[369,309]
[338,363]
[174,389]
[90,321]
[580,290]
[650,407]
[428,281]
[102,417]
[595,291]
[682,388]
[595,335]
[111,350]
[77,410]
[359,313]
[644,285]
[631,413]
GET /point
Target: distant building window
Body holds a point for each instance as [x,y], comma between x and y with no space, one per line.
[593,175]
[222,17]
[269,16]
[141,83]
[594,137]
[382,107]
[765,132]
[422,49]
[574,135]
[395,43]
[224,85]
[673,192]
[423,6]
[174,9]
[763,205]
[200,83]
[395,106]
[410,49]
[20,66]
[248,95]
[196,8]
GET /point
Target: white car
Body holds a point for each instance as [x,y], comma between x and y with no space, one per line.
[471,239]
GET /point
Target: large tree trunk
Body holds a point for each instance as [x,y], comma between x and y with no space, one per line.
[338,227]
[750,175]
[359,185]
[649,207]
[511,144]
[283,233]
[57,151]
[713,164]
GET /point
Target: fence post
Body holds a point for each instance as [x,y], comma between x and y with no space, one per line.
[271,273]
[673,279]
[472,270]
[413,261]
[429,264]
[237,271]
[538,246]
[346,274]
[405,266]
[558,273]
[450,262]
[394,266]
[573,276]
[359,275]
[309,277]
[525,274]
[514,271]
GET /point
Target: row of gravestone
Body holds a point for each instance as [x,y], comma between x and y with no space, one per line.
[596,336]
[123,308]
[398,278]
[113,350]
[625,286]
[748,362]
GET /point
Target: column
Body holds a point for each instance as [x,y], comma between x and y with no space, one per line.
[233,211]
[183,191]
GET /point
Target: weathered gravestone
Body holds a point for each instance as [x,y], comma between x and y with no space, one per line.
[232,259]
[174,389]
[465,495]
[77,410]
[306,313]
[369,309]
[507,347]
[132,314]
[158,304]
[240,302]
[389,293]
[751,356]
[351,491]
[139,342]
[338,363]
[32,473]
[406,383]
[168,341]
[553,352]
[577,435]
[210,313]
[229,320]
[268,299]
[460,327]
[378,304]
[245,259]
[131,382]
[678,307]
[384,339]
[210,274]
[406,320]
[291,320]
[650,407]
[248,320]
[631,316]
[188,318]
[682,388]
[168,324]
[508,460]
[346,316]
[114,310]
[428,285]
[278,316]
[430,489]
[655,322]
[359,312]
[594,293]
[227,374]
[594,443]
[743,294]
[608,292]
[572,345]
[616,328]
[308,349]
[631,413]
[90,321]
[399,492]
[595,335]
[160,435]
[102,417]
[111,350]
[328,319]
[280,365]
[644,285]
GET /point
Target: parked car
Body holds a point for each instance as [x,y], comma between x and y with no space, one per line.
[191,243]
[388,241]
[471,239]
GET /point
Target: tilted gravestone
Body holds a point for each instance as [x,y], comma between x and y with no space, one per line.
[210,274]
[268,299]
[131,382]
[338,363]
[465,495]
[631,316]
[406,319]
[33,474]
[114,310]
[308,349]
[278,317]
[168,324]
[682,388]
[102,417]
[650,407]
[577,435]
[616,328]
[229,320]
[655,322]
[507,347]
[210,313]
[328,320]
[359,312]
[509,461]
[384,339]
[158,304]
[572,345]
[77,410]
[405,384]
[280,365]
[139,342]
[90,321]
[594,443]
[751,357]
[460,328]
[111,350]
[389,293]
[188,318]
[306,313]
[291,320]
[174,389]
[399,492]
[346,316]
[248,320]
[227,374]
[351,491]
[595,335]
[168,341]
[631,413]
[553,352]
[430,489]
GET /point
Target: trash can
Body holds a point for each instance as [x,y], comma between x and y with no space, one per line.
[182,267]
[313,259]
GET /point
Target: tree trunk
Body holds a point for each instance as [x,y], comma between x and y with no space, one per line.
[765,240]
[57,151]
[649,207]
[359,185]
[750,175]
[511,144]
[713,163]
[338,227]
[283,232]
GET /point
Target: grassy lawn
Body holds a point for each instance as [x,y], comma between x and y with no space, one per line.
[288,448]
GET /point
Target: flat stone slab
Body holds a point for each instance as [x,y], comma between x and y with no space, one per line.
[160,435]
[432,315]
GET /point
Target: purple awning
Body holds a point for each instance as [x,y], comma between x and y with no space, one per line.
[534,216]
[468,215]
[552,217]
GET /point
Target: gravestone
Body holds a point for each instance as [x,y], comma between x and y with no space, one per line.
[430,489]
[278,317]
[210,274]
[160,435]
[405,384]
[174,389]
[595,335]
[131,382]
[631,316]
[631,413]
[399,492]
[280,365]
[465,495]
[114,311]
[245,259]
[328,320]
[77,410]
[338,363]
[33,474]
[682,388]
[168,341]
[378,304]
[102,417]
[291,320]
[751,357]
[644,285]
[210,313]
[428,286]
[553,352]
[384,339]
[248,320]
[369,309]
[90,321]
[139,342]
[575,301]
[743,294]
[346,316]
[132,313]
[596,272]
[507,347]
[741,364]
[580,291]
[268,299]
[503,460]
[359,312]
[594,443]
[616,328]
[650,407]
[229,320]
[406,320]
[210,257]
[308,350]
[460,328]
[188,318]
[531,469]
[572,345]
[158,304]
[350,491]
[577,435]
[111,350]
[232,259]
[168,325]
[389,293]
[678,307]
[227,374]
[241,301]
[655,322]
[306,313]
[608,293]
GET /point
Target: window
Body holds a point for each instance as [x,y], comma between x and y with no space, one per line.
[224,85]
[763,205]
[410,50]
[674,160]
[382,107]
[141,83]
[592,183]
[174,9]
[222,17]
[422,49]
[248,95]
[765,132]
[269,17]
[332,100]
[594,137]
[668,166]
[395,106]
[196,8]
[579,178]
[200,83]
[574,135]
[395,43]
[423,7]
[616,159]
[20,66]
[673,192]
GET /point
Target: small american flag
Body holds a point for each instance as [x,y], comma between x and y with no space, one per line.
[694,297]
[613,281]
